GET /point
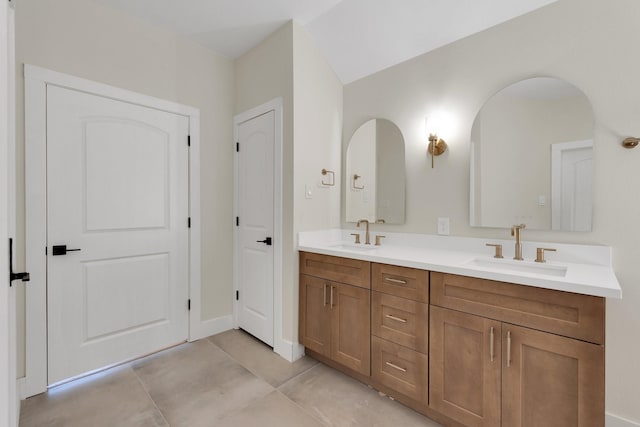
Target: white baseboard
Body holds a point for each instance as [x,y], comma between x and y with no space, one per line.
[289,350]
[210,327]
[616,421]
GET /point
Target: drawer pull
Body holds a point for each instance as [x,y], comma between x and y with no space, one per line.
[397,319]
[491,344]
[331,302]
[394,366]
[324,295]
[508,349]
[389,279]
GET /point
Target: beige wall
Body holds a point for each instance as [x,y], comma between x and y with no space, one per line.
[567,40]
[88,40]
[317,106]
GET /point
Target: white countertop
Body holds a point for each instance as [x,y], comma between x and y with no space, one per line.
[583,269]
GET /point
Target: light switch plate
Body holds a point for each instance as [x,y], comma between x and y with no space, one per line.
[443,226]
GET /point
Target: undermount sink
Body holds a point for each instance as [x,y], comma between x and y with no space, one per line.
[512,266]
[354,247]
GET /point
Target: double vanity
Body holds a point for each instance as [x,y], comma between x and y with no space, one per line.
[467,339]
[447,325]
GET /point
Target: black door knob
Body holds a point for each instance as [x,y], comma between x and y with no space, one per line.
[266,241]
[62,250]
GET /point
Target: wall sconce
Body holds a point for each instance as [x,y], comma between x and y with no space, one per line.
[436,147]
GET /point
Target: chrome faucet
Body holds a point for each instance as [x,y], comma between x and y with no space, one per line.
[515,231]
[367,237]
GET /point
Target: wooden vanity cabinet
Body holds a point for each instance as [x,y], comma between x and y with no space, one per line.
[464,351]
[334,317]
[490,372]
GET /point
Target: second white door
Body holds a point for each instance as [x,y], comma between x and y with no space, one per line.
[117,189]
[255,257]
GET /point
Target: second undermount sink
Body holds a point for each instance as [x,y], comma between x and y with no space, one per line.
[512,266]
[354,247]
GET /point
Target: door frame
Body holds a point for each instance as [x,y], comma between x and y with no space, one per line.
[9,401]
[36,81]
[556,176]
[280,346]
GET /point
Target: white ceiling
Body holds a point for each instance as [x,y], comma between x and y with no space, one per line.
[358,37]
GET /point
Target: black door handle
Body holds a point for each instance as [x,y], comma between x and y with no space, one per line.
[25,277]
[61,250]
[266,241]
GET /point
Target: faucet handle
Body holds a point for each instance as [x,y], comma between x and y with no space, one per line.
[540,254]
[357,236]
[498,247]
[378,237]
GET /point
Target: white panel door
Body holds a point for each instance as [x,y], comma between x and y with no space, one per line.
[117,188]
[255,210]
[576,198]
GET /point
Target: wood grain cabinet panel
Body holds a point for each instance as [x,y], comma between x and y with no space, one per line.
[404,282]
[344,270]
[551,381]
[464,367]
[563,313]
[350,327]
[314,329]
[400,368]
[400,320]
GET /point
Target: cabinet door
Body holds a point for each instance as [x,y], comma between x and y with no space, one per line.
[315,316]
[351,327]
[551,381]
[464,367]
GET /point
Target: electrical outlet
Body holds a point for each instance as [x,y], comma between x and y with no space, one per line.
[443,226]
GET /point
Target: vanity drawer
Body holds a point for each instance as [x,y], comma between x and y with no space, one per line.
[400,320]
[399,368]
[563,313]
[345,270]
[404,282]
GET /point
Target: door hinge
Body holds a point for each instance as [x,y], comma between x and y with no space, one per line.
[237,295]
[189,304]
[189,222]
[237,221]
[188,140]
[237,147]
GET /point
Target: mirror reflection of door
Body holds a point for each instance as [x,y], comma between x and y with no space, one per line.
[571,178]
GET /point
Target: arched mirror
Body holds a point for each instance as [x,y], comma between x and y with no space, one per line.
[375,173]
[531,158]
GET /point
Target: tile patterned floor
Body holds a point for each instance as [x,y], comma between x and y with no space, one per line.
[227,380]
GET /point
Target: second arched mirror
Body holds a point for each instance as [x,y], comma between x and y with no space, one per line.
[531,157]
